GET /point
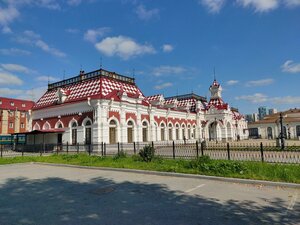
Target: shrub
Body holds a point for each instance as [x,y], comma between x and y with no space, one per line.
[147,153]
[121,154]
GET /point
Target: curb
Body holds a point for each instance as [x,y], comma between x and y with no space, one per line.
[172,174]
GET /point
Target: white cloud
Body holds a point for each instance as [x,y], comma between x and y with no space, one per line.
[123,47]
[34,39]
[8,92]
[167,48]
[256,83]
[7,16]
[290,67]
[232,82]
[47,78]
[92,35]
[17,68]
[255,98]
[145,14]
[7,78]
[73,30]
[168,70]
[292,3]
[260,5]
[162,86]
[286,100]
[213,6]
[14,52]
[74,2]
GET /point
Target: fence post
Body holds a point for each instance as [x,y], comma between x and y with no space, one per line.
[1,151]
[57,148]
[228,151]
[118,148]
[104,149]
[173,150]
[262,152]
[67,147]
[202,148]
[90,149]
[23,146]
[77,148]
[134,148]
[152,144]
[197,149]
[41,150]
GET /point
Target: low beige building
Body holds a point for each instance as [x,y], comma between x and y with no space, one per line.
[269,127]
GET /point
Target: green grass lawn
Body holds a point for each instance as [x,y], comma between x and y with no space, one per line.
[204,166]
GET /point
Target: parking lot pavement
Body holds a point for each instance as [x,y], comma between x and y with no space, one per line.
[41,194]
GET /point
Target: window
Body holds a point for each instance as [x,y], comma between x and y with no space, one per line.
[12,103]
[22,114]
[11,125]
[22,125]
[74,133]
[11,113]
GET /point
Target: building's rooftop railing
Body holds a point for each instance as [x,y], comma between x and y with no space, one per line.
[90,75]
[187,96]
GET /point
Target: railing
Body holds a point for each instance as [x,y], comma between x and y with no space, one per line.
[189,149]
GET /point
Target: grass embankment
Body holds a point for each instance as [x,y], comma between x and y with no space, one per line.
[204,166]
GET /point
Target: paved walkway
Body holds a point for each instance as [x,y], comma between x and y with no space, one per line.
[41,194]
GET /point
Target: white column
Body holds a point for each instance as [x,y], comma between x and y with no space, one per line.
[123,125]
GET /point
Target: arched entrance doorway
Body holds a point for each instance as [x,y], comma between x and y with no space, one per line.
[212,129]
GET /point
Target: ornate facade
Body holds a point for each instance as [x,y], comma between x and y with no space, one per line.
[103,106]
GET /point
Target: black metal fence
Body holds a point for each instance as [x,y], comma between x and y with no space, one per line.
[265,152]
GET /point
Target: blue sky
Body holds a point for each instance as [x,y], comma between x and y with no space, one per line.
[173,46]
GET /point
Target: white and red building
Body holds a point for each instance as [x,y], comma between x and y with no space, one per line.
[103,106]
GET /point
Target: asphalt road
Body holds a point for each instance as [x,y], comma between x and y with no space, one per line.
[41,194]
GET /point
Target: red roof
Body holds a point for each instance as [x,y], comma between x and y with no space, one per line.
[15,104]
[98,86]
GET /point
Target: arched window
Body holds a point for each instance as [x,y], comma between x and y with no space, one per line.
[130,132]
[145,131]
[270,133]
[88,132]
[36,126]
[112,132]
[162,132]
[60,126]
[177,132]
[194,132]
[46,126]
[74,133]
[189,131]
[170,132]
[298,131]
[183,131]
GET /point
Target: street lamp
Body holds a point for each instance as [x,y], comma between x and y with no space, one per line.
[281,131]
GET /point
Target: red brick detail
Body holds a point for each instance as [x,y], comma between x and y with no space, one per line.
[64,119]
[159,120]
[145,117]
[114,114]
[131,115]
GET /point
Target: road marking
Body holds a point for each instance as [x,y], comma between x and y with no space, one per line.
[292,202]
[195,188]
